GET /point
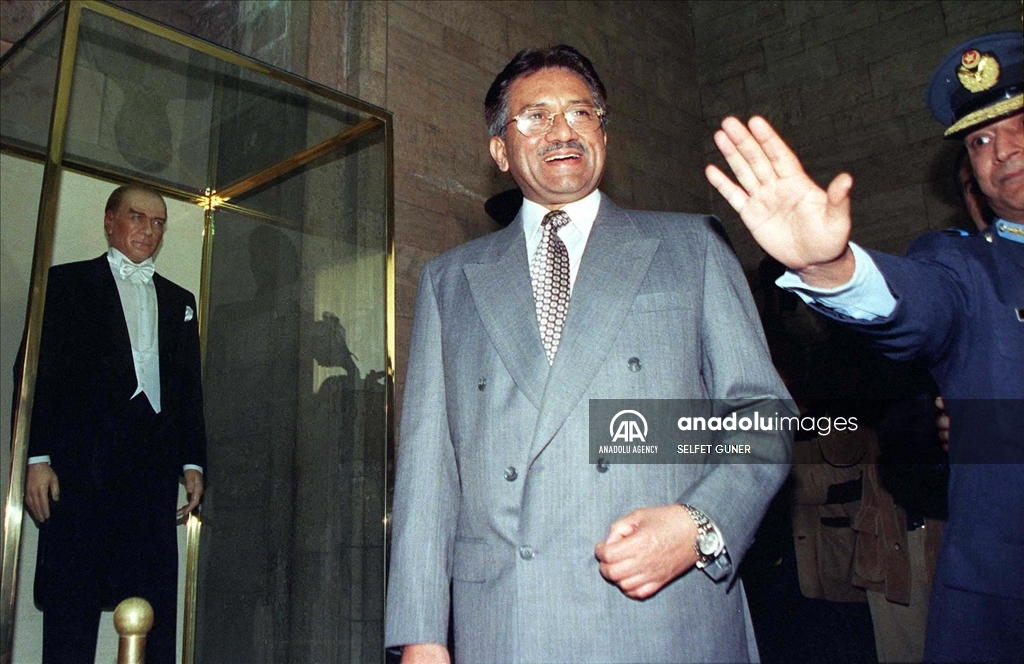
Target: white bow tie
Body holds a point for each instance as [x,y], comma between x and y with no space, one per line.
[139,274]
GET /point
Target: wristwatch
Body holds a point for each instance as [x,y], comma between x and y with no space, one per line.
[708,543]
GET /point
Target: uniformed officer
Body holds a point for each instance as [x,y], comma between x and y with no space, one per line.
[954,302]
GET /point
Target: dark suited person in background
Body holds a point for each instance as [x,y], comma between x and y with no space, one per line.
[117,420]
[551,558]
[955,302]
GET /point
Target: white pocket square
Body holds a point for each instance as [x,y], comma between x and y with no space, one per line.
[188,313]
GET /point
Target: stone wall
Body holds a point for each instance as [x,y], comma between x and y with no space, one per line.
[844,83]
[17,17]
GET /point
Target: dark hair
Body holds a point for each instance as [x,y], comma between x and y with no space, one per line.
[116,196]
[532,60]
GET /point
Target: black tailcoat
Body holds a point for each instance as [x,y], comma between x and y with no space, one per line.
[112,533]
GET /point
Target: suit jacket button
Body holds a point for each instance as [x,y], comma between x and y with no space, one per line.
[602,465]
[526,552]
[511,474]
[634,364]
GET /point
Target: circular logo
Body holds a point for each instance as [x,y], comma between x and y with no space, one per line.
[611,426]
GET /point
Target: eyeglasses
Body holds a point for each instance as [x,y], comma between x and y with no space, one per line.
[538,121]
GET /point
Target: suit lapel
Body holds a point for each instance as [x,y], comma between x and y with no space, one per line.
[165,328]
[108,302]
[614,264]
[503,297]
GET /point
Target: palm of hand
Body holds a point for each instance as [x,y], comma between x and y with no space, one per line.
[801,225]
[792,219]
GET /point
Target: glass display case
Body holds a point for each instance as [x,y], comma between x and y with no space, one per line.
[280,218]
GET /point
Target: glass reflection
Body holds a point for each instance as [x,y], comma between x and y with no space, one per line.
[292,557]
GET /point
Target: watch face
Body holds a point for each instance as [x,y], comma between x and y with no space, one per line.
[709,542]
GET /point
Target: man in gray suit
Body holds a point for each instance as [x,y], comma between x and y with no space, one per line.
[499,516]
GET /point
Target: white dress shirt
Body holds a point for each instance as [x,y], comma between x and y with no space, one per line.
[138,301]
[574,234]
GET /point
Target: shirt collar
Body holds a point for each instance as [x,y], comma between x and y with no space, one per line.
[116,258]
[121,266]
[582,214]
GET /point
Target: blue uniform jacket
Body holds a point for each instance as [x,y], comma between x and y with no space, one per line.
[959,305]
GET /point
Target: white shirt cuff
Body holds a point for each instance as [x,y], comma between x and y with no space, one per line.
[46,459]
[865,297]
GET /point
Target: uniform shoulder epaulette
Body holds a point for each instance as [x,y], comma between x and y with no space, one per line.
[1010,230]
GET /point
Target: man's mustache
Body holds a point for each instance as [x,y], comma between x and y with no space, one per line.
[575,145]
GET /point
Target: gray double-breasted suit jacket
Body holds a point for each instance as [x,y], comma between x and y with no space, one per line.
[496,501]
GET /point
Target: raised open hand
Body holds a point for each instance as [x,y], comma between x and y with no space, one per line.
[801,225]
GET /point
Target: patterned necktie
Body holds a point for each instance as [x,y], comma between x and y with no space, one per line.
[549,275]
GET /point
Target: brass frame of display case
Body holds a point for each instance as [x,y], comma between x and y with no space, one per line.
[54,163]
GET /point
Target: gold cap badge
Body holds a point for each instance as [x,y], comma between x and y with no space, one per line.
[977,71]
